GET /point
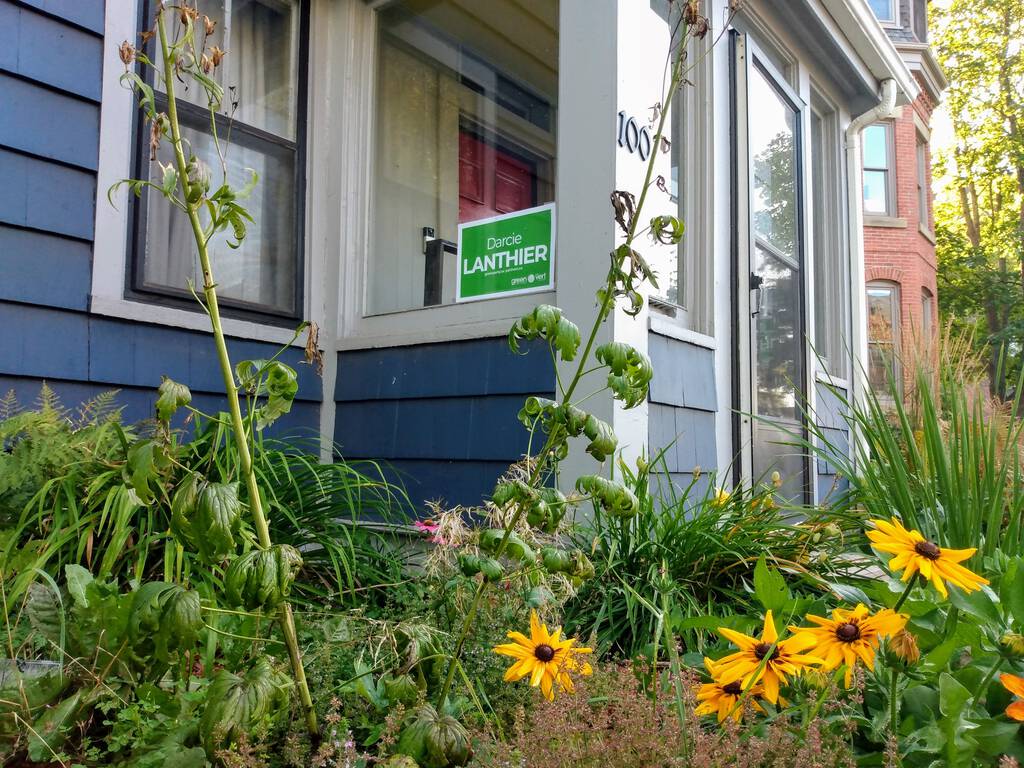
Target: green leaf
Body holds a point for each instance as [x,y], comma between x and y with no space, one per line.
[770,587]
[546,322]
[282,385]
[952,695]
[238,703]
[172,397]
[262,578]
[611,496]
[1013,595]
[167,615]
[53,728]
[978,604]
[850,593]
[217,518]
[78,579]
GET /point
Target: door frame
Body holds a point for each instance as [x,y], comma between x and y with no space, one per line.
[746,56]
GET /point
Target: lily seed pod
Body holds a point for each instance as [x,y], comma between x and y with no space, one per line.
[209,25]
[127,53]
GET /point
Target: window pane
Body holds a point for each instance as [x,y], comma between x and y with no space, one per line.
[259,72]
[262,270]
[881,314]
[779,337]
[884,10]
[876,153]
[667,261]
[876,186]
[829,259]
[774,165]
[465,130]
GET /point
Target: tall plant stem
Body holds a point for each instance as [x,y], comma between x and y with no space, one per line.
[675,670]
[607,303]
[230,390]
[905,595]
[983,685]
[894,702]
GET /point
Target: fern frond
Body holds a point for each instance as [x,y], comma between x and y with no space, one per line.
[99,410]
[48,402]
[9,405]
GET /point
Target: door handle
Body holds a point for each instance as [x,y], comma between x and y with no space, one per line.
[756,281]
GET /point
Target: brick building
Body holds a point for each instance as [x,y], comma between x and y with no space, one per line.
[899,239]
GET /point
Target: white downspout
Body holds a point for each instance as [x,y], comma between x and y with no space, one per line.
[856,238]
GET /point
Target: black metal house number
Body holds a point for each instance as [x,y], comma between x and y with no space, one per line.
[634,138]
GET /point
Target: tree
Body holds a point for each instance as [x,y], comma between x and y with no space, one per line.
[979,215]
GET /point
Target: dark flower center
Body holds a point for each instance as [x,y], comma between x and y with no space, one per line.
[544,652]
[733,689]
[761,650]
[848,632]
[927,549]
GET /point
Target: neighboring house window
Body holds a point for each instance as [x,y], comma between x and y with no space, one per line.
[884,10]
[260,126]
[464,130]
[878,170]
[927,323]
[883,336]
[922,183]
[830,276]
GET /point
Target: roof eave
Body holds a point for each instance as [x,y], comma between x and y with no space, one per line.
[873,45]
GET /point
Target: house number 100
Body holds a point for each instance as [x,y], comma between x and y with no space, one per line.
[634,138]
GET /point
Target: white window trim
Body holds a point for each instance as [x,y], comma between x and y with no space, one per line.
[112,233]
[351,129]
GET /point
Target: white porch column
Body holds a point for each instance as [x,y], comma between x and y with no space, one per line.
[593,88]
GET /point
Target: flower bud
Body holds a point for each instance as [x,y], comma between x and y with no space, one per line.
[1013,644]
[904,646]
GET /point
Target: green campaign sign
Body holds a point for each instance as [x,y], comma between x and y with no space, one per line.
[507,255]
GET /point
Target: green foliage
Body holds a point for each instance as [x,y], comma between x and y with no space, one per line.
[702,552]
[979,216]
[262,578]
[945,461]
[239,703]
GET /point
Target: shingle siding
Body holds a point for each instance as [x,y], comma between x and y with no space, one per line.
[442,416]
[51,57]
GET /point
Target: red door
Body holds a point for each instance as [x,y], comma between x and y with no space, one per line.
[491,180]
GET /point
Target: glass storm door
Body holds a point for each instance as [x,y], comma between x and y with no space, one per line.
[771,264]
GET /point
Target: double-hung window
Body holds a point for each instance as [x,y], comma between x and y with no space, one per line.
[884,10]
[260,126]
[922,183]
[883,338]
[466,108]
[879,197]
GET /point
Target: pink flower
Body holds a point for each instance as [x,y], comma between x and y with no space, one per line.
[429,527]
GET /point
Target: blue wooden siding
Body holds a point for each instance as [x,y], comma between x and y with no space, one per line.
[681,413]
[442,416]
[51,56]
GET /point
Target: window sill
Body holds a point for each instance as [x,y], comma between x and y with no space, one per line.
[824,377]
[928,234]
[875,220]
[146,312]
[664,326]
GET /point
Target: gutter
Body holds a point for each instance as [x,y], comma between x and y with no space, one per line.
[858,301]
[873,45]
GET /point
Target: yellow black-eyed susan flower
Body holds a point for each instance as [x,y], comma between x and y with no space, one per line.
[850,636]
[767,659]
[915,554]
[723,699]
[547,658]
